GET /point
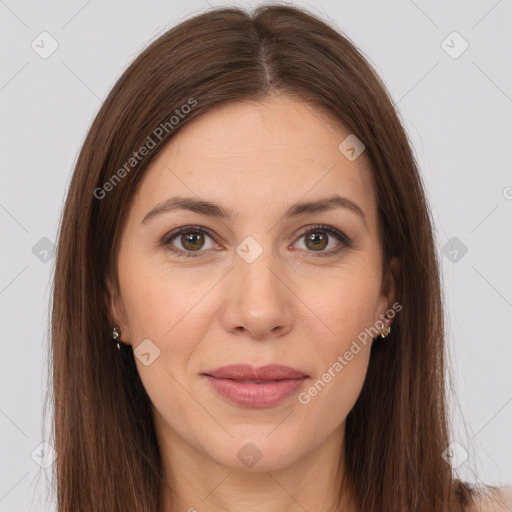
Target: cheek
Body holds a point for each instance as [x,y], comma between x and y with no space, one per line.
[170,308]
[157,299]
[163,307]
[346,306]
[331,395]
[345,303]
[342,363]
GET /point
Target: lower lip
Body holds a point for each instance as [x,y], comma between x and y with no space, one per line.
[254,394]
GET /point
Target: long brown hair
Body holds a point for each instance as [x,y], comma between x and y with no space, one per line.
[108,455]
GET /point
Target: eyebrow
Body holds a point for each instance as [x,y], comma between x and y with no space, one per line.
[212,209]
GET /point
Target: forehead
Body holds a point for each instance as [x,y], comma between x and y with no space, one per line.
[264,154]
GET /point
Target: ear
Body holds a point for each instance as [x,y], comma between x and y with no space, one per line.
[117,311]
[388,295]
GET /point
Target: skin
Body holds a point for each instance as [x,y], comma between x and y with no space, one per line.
[289,306]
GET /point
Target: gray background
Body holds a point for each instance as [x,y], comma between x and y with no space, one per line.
[457,112]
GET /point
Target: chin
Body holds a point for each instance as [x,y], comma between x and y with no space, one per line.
[258,451]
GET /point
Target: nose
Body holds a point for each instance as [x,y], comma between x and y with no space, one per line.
[258,300]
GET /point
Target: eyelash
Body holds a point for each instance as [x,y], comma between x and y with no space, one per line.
[345,241]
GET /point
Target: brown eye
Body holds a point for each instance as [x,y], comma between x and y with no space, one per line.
[188,240]
[316,240]
[192,240]
[319,238]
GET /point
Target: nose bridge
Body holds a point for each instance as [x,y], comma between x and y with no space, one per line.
[257,298]
[256,269]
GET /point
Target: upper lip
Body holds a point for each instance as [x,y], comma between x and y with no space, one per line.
[248,372]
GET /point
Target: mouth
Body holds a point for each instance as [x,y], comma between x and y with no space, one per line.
[252,387]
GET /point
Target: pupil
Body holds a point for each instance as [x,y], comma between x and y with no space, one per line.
[191,240]
[317,240]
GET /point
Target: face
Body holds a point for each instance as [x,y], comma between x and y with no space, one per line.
[267,283]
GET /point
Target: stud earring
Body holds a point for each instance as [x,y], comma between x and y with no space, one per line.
[385,332]
[116,334]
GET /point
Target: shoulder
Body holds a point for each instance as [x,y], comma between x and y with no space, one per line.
[501,502]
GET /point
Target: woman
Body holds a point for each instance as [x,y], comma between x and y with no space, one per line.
[247,310]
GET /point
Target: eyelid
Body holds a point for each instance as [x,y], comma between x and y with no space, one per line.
[344,239]
[330,229]
[169,236]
